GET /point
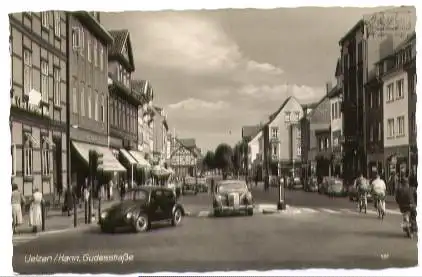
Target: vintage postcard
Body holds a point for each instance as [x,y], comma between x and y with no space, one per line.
[213,140]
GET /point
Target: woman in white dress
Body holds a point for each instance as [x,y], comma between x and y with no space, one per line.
[17,202]
[35,210]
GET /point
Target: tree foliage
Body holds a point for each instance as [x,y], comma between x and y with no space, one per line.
[208,161]
[224,158]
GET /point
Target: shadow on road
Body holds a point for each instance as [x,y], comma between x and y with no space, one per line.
[382,234]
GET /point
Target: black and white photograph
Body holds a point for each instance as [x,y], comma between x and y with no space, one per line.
[227,139]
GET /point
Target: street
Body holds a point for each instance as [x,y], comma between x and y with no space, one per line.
[285,240]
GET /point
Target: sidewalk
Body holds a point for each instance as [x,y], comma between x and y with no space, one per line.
[56,221]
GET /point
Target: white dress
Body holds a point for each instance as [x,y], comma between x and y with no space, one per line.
[35,216]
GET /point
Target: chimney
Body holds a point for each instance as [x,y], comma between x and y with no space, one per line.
[329,86]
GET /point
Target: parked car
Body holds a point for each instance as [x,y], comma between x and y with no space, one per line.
[232,196]
[202,185]
[311,185]
[335,187]
[323,186]
[189,186]
[140,208]
[295,183]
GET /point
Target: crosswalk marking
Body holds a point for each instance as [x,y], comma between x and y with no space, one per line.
[20,239]
[309,210]
[330,211]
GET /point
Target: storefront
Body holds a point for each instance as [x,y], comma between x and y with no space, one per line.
[397,160]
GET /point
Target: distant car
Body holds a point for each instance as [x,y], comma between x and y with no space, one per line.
[311,185]
[295,183]
[202,185]
[232,196]
[189,186]
[140,208]
[335,187]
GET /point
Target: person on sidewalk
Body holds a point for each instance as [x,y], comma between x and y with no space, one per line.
[68,201]
[35,210]
[18,201]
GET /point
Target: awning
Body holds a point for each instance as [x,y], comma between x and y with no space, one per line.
[140,159]
[159,171]
[128,157]
[110,163]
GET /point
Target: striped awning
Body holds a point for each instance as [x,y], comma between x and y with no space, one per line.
[128,157]
[139,157]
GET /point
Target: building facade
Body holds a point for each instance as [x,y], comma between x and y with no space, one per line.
[145,116]
[255,156]
[160,131]
[38,101]
[88,117]
[184,157]
[399,104]
[282,140]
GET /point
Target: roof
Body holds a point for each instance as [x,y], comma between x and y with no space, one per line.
[335,91]
[275,114]
[310,105]
[121,37]
[338,68]
[250,131]
[354,29]
[188,143]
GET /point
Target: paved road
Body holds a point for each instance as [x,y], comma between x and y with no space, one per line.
[261,242]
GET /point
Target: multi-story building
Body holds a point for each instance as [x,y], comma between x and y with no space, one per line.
[319,149]
[184,157]
[398,73]
[145,116]
[160,130]
[255,155]
[307,170]
[336,124]
[282,140]
[361,48]
[123,100]
[88,116]
[246,156]
[38,101]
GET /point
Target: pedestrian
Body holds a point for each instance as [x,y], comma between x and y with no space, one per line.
[35,210]
[18,201]
[68,201]
[392,183]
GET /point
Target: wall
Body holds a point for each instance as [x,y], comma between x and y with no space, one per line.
[319,119]
[336,123]
[254,148]
[393,109]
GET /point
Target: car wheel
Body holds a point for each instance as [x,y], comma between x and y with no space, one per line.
[142,223]
[107,229]
[249,212]
[177,217]
[217,213]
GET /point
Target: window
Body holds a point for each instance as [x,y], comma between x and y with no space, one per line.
[74,100]
[44,81]
[13,153]
[82,100]
[44,19]
[96,105]
[390,128]
[390,92]
[57,24]
[400,126]
[45,157]
[78,39]
[27,155]
[275,150]
[89,50]
[89,103]
[298,132]
[379,97]
[102,109]
[274,132]
[297,115]
[95,53]
[333,113]
[335,142]
[327,143]
[371,100]
[371,133]
[101,57]
[414,83]
[299,151]
[400,89]
[27,71]
[321,144]
[287,117]
[57,87]
[379,131]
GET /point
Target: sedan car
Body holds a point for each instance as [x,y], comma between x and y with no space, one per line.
[312,185]
[140,208]
[335,187]
[295,183]
[232,196]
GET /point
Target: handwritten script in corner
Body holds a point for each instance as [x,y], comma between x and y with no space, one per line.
[389,23]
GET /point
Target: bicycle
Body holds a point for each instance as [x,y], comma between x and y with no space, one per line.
[362,202]
[380,210]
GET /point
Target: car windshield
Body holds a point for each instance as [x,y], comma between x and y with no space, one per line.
[136,195]
[228,187]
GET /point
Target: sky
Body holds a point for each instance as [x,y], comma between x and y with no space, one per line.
[216,71]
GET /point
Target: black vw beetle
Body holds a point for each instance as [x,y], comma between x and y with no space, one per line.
[141,207]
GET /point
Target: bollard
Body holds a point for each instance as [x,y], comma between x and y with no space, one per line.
[75,213]
[86,212]
[43,216]
[281,205]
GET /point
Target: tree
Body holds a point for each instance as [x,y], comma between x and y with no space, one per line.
[237,158]
[223,158]
[208,161]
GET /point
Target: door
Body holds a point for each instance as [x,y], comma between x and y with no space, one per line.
[169,200]
[156,205]
[57,166]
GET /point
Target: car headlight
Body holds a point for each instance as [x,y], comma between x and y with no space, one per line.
[129,215]
[103,215]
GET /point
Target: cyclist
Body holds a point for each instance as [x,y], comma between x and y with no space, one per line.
[379,189]
[362,188]
[405,198]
